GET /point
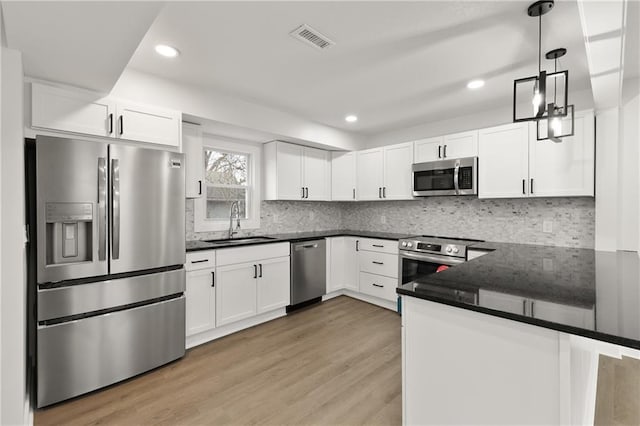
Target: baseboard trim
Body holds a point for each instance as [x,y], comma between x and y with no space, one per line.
[225,330]
[393,306]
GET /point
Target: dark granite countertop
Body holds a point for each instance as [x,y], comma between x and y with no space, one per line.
[578,291]
[195,245]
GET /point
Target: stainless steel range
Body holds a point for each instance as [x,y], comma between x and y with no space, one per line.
[428,254]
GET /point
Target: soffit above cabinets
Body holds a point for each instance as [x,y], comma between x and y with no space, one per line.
[84,44]
[394,64]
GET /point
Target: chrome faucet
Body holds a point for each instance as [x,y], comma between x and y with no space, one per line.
[235,207]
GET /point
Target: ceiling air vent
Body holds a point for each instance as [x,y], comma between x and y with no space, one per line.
[312,37]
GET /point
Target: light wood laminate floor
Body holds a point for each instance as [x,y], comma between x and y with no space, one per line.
[334,363]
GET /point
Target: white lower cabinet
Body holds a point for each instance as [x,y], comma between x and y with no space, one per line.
[564,314]
[200,295]
[273,289]
[378,286]
[236,293]
[351,267]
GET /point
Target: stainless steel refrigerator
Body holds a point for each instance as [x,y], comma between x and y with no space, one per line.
[109,278]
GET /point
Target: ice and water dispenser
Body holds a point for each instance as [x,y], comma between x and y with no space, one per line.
[69,233]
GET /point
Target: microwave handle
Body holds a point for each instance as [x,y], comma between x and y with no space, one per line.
[456,173]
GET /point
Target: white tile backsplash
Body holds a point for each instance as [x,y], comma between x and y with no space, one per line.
[501,220]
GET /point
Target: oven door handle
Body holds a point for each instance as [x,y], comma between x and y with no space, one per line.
[430,258]
[456,174]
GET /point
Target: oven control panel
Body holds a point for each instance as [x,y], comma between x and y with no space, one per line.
[440,247]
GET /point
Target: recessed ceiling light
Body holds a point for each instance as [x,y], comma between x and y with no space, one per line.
[475,84]
[351,118]
[167,51]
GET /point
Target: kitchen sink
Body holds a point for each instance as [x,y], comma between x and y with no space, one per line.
[230,241]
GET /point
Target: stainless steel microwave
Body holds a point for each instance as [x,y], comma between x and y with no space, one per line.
[458,176]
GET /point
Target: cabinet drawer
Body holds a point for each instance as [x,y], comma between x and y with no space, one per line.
[378,286]
[381,246]
[379,263]
[231,256]
[200,260]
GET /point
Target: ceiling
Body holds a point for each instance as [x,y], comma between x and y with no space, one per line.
[86,44]
[395,64]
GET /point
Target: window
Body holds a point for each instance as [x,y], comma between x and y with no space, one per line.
[230,175]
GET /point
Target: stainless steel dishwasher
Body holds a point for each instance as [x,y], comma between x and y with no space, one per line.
[308,271]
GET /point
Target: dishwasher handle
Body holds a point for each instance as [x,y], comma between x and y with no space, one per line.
[305,246]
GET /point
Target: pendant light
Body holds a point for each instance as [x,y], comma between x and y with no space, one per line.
[533,88]
[557,123]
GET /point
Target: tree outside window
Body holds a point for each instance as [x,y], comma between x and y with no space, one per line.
[226,180]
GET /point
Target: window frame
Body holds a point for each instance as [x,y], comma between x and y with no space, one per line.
[253,152]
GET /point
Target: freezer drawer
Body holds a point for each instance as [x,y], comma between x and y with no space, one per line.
[81,298]
[80,356]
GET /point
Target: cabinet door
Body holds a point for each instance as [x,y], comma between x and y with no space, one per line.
[274,284]
[194,159]
[289,171]
[397,171]
[565,168]
[571,315]
[428,149]
[148,124]
[343,176]
[336,249]
[502,302]
[460,145]
[503,161]
[317,174]
[351,267]
[200,297]
[74,111]
[370,174]
[235,292]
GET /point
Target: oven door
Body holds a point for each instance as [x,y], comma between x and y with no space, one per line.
[413,266]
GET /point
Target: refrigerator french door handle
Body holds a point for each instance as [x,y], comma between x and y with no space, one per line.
[115,209]
[102,208]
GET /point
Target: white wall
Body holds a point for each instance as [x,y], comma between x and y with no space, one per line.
[493,117]
[12,250]
[630,180]
[213,105]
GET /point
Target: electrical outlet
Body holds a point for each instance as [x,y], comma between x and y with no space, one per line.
[383,219]
[547,226]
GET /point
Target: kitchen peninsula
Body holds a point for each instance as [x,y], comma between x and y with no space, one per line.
[527,340]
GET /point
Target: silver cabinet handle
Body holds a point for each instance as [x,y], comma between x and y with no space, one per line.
[102,208]
[523,184]
[532,308]
[115,208]
[200,261]
[439,151]
[213,279]
[111,123]
[255,271]
[378,263]
[379,192]
[302,196]
[121,125]
[354,193]
[524,306]
[357,245]
[260,274]
[384,192]
[377,285]
[444,152]
[377,245]
[531,185]
[199,187]
[306,192]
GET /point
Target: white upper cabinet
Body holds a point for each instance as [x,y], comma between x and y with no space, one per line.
[316,173]
[194,159]
[503,161]
[343,176]
[84,112]
[565,168]
[75,111]
[428,149]
[397,171]
[385,173]
[294,172]
[514,164]
[148,124]
[370,164]
[460,145]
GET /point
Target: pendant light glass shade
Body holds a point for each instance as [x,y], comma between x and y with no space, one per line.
[559,124]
